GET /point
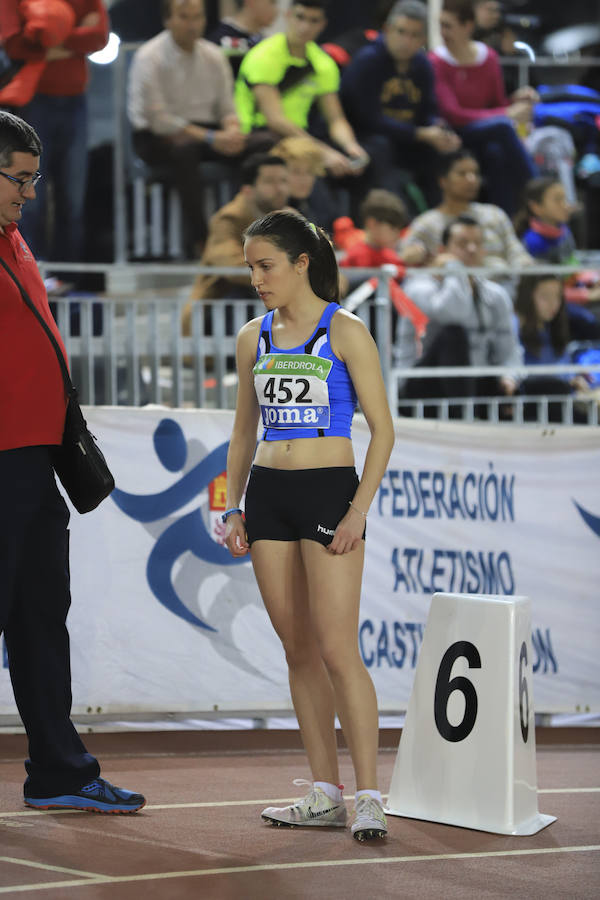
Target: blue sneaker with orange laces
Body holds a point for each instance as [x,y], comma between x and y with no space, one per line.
[99,796]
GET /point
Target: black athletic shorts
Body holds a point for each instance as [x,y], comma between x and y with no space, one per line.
[290,504]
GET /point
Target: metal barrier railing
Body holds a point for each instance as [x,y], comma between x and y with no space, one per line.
[376,314]
[130,351]
[516,409]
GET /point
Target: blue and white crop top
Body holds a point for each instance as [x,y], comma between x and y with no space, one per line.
[306,391]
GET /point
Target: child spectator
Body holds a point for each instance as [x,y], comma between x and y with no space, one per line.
[542,222]
[383,217]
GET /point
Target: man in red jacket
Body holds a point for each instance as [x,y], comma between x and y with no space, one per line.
[58,113]
[34,554]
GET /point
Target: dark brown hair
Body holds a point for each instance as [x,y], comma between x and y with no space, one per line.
[16,136]
[294,235]
[384,206]
[462,9]
[463,219]
[534,191]
[529,331]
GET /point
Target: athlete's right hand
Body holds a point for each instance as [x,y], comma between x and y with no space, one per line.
[236,539]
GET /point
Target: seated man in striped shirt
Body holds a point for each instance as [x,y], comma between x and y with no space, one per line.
[180,105]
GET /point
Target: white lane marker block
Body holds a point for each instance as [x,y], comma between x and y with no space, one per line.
[467,751]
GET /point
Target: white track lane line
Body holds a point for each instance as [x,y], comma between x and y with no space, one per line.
[215,804]
[31,864]
[281,867]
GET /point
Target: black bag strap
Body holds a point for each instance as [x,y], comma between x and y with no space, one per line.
[70,390]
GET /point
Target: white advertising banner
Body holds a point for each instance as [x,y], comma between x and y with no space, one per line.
[164,620]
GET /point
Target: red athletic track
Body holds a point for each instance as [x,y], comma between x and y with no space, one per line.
[201,835]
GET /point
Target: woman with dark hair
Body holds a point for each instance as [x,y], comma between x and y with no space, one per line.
[471,98]
[301,368]
[544,323]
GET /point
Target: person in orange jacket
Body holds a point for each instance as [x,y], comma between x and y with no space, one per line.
[58,113]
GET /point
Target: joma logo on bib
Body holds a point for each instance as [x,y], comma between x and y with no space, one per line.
[295,416]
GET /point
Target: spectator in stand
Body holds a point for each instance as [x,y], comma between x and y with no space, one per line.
[236,34]
[471,97]
[551,146]
[383,216]
[309,193]
[460,181]
[181,109]
[58,113]
[543,229]
[542,222]
[488,17]
[284,76]
[388,94]
[470,320]
[546,325]
[494,29]
[265,188]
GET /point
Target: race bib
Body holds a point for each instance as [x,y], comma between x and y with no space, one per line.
[292,390]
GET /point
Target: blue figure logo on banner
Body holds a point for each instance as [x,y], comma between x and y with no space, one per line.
[186,534]
[590,520]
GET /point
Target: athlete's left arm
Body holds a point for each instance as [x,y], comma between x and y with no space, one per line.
[352,342]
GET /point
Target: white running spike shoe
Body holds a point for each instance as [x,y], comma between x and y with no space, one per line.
[314,809]
[369,819]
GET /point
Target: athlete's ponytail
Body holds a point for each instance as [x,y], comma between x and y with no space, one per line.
[294,235]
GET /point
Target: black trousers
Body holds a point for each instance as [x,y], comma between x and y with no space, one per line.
[34,602]
[390,160]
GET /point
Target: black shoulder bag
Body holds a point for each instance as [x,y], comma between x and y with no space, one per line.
[78,461]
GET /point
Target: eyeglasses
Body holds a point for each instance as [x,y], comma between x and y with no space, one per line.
[23,183]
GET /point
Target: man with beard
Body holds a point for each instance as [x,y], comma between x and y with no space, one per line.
[265,187]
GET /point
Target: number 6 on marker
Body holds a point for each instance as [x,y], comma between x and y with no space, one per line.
[523,693]
[444,687]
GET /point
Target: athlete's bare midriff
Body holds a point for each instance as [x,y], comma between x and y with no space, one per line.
[305,453]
